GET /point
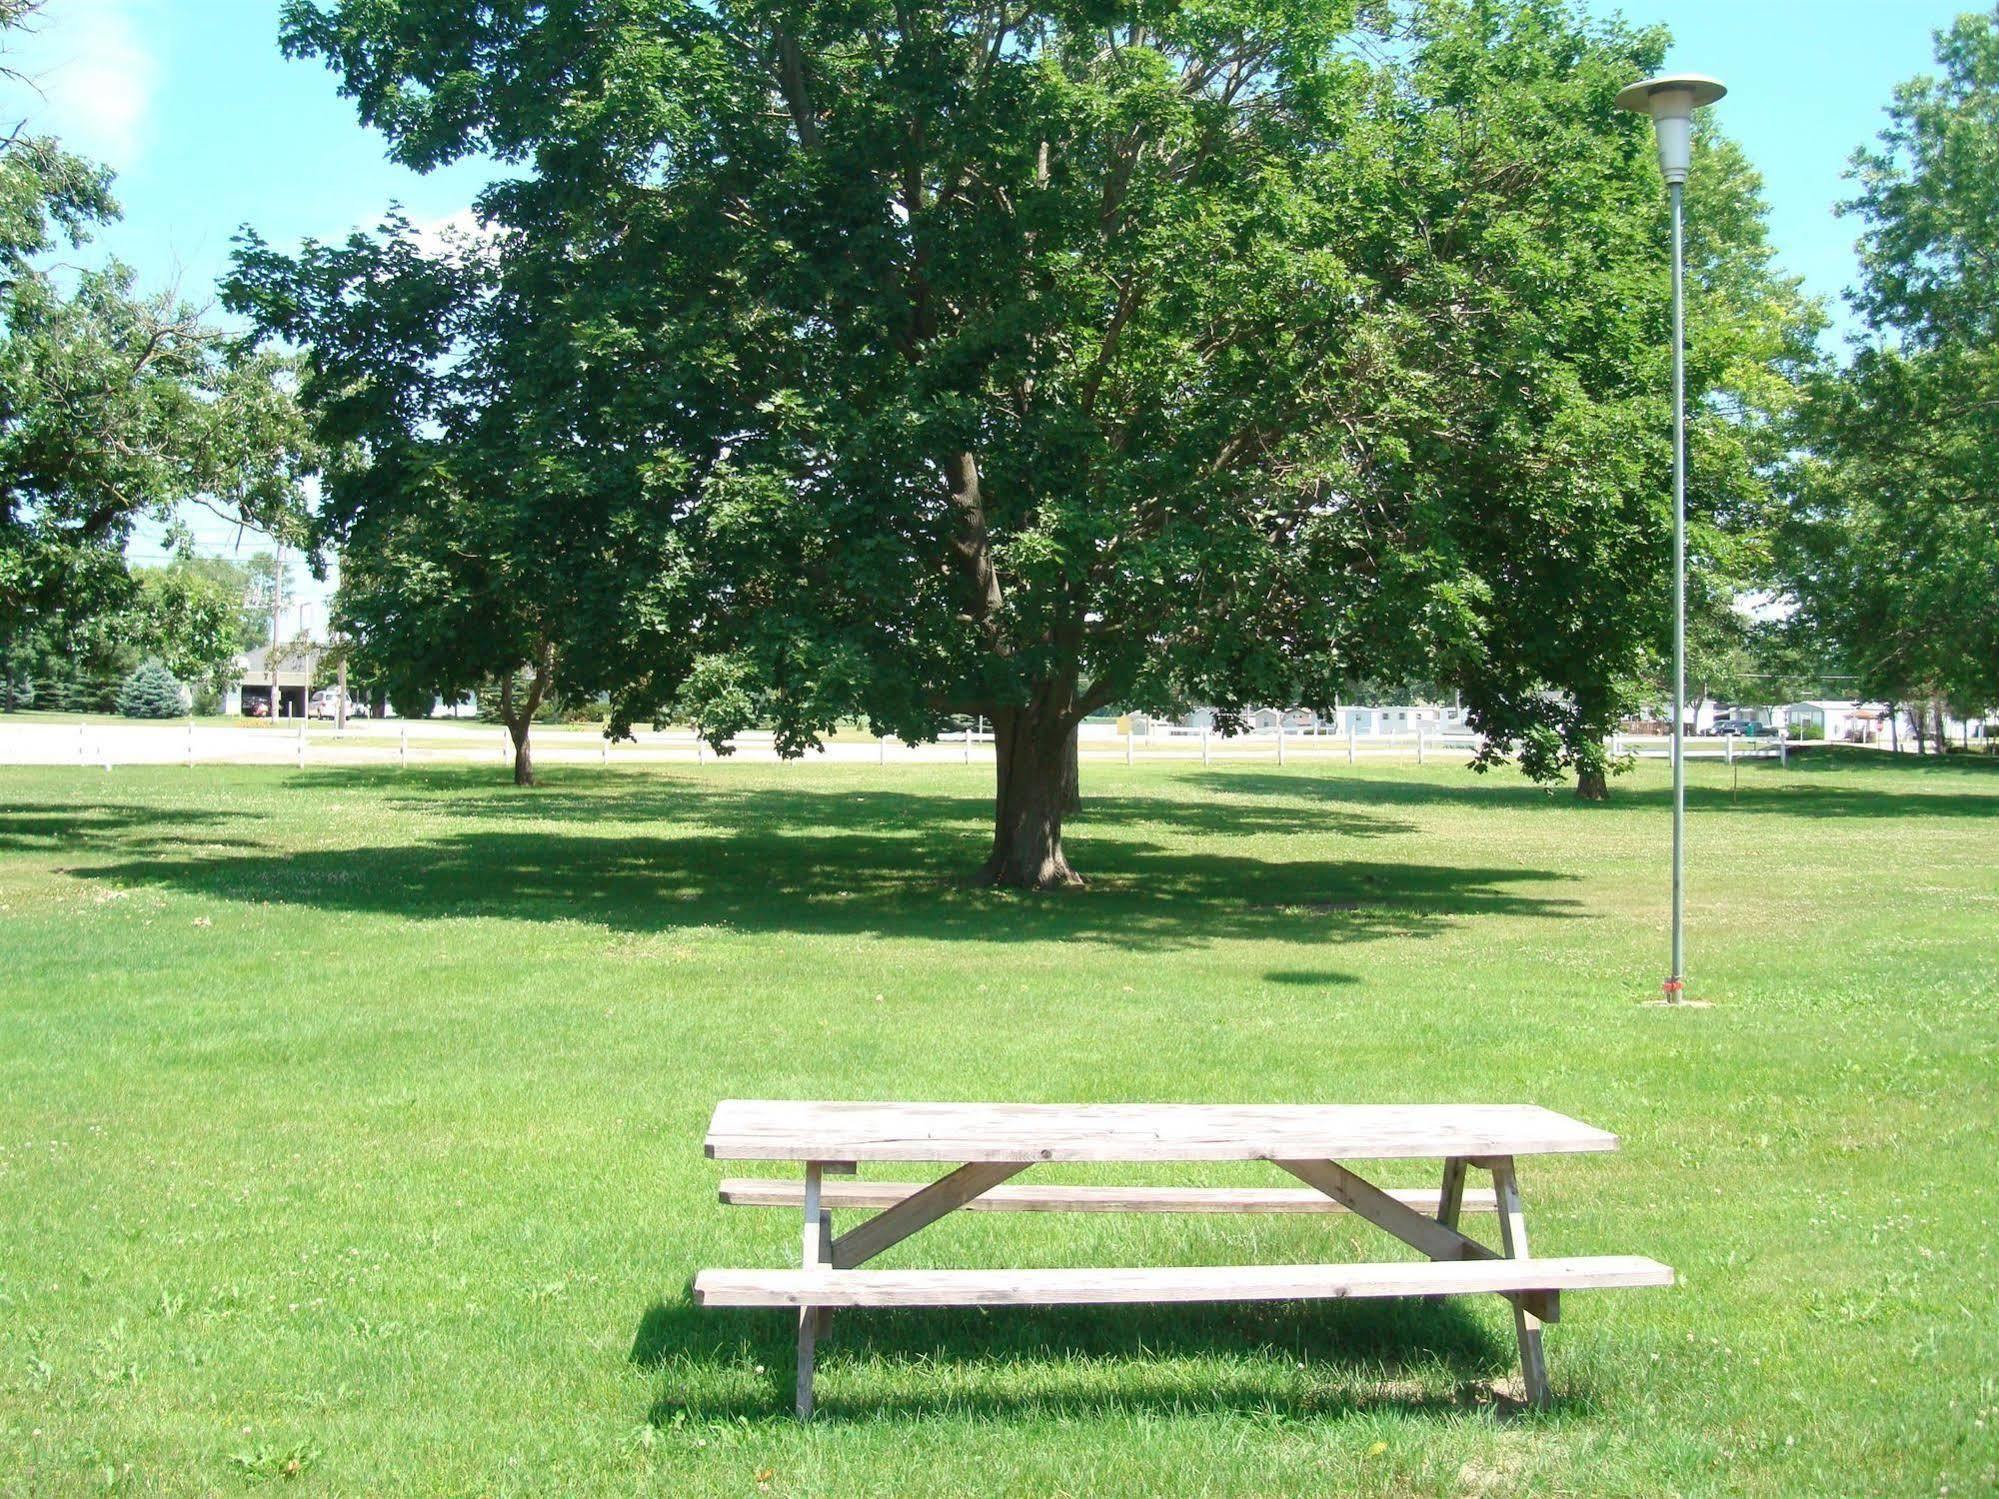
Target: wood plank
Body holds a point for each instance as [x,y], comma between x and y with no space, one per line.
[1079,1287]
[750,1129]
[1451,1196]
[813,1257]
[1526,1326]
[915,1211]
[769,1192]
[1438,1240]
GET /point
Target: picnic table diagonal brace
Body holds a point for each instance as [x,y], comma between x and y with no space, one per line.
[1441,1240]
[862,1243]
[1451,1196]
[918,1210]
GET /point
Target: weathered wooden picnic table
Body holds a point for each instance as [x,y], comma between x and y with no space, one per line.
[990,1143]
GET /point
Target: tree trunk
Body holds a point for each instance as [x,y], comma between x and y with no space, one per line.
[523,761]
[1032,757]
[518,723]
[1595,720]
[1072,777]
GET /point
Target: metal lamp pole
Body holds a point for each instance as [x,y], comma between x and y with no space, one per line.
[1671,100]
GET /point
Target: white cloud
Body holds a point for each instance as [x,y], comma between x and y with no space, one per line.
[453,231]
[96,77]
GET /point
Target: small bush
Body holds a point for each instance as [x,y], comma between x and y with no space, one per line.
[150,692]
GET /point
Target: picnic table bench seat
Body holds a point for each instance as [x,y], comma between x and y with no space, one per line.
[993,1143]
[789,1192]
[1096,1287]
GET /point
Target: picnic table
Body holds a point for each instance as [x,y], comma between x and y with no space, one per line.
[989,1144]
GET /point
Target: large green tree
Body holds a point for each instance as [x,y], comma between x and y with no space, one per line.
[1536,237]
[1022,360]
[481,478]
[1895,541]
[114,406]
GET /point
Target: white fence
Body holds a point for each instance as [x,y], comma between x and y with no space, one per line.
[1173,742]
[433,741]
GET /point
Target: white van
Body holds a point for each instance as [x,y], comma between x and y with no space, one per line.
[326,704]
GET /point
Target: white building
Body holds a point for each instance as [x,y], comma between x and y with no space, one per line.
[1837,719]
[302,673]
[1362,722]
[1403,718]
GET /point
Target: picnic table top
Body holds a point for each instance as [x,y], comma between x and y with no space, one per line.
[764,1129]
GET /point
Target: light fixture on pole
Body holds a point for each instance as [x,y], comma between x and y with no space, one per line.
[1671,100]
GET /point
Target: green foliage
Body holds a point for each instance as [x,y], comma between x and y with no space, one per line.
[113,405]
[74,668]
[1734,657]
[190,617]
[151,692]
[721,697]
[1893,548]
[961,360]
[493,511]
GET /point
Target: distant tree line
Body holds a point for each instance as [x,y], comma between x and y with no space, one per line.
[192,616]
[1891,544]
[116,407]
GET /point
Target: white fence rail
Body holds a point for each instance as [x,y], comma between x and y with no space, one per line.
[107,744]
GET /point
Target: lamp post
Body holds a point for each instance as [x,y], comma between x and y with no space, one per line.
[1671,99]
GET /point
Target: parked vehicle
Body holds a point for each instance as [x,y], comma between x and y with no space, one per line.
[327,705]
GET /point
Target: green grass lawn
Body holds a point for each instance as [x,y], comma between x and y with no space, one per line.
[350,1125]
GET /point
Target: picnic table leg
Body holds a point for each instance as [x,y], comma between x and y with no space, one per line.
[813,1253]
[1451,1199]
[825,1249]
[1513,1239]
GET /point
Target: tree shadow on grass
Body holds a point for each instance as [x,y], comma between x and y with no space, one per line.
[1809,788]
[825,862]
[50,829]
[718,799]
[1081,1360]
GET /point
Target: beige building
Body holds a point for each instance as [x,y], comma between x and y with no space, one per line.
[251,686]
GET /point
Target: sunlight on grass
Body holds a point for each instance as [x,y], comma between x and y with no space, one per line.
[350,1125]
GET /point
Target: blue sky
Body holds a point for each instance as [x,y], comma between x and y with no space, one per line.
[209,128]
